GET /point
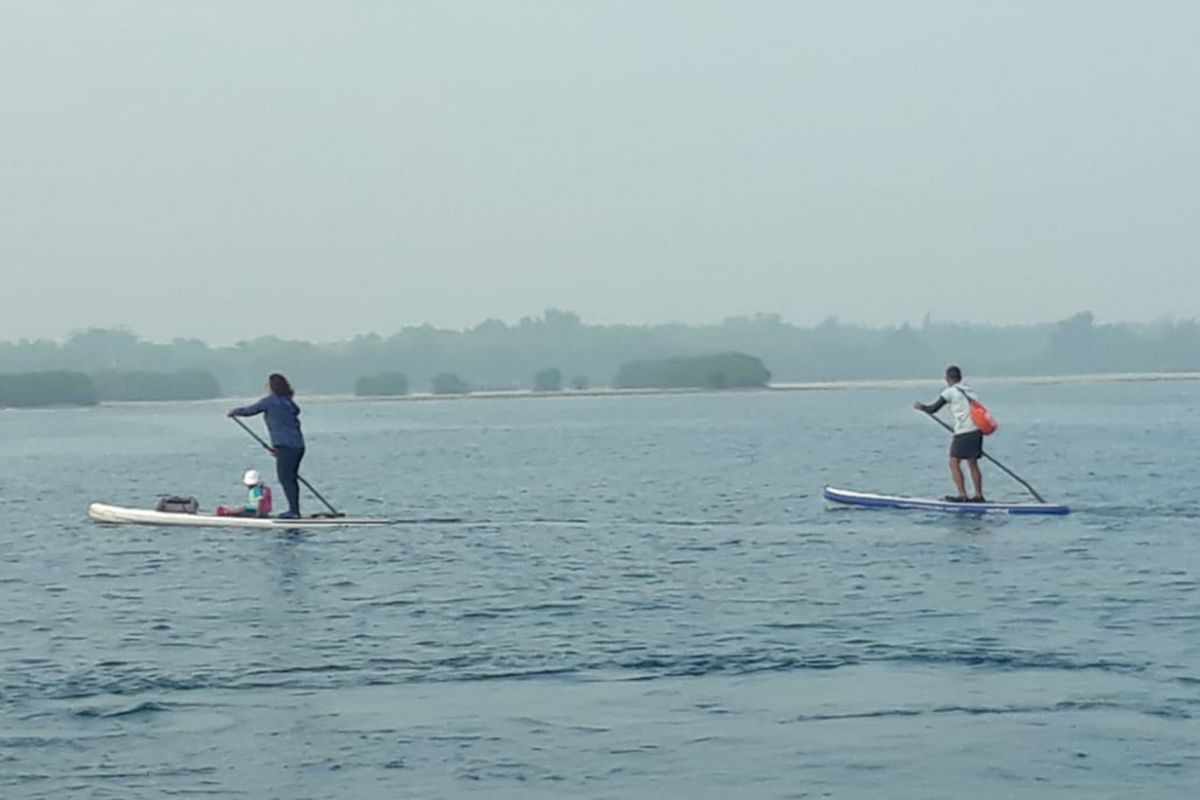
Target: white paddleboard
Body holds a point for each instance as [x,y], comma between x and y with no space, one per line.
[102,512]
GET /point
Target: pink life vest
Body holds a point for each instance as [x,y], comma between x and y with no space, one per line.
[260,500]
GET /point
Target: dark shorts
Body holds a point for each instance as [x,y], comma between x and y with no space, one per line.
[967,445]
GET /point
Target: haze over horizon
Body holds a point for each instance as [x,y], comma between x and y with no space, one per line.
[321,170]
[401,326]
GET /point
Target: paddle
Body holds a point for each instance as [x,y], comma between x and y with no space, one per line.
[309,486]
[1011,474]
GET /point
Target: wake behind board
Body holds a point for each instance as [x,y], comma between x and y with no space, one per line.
[848,497]
[101,512]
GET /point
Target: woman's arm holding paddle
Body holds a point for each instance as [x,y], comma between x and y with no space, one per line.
[250,410]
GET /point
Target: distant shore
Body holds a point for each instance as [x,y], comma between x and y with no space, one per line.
[802,386]
[798,386]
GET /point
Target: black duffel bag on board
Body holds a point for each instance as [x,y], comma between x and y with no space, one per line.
[178,505]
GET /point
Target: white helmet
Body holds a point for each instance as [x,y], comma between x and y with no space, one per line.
[252,478]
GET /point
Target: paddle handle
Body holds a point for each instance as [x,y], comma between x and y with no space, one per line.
[1010,473]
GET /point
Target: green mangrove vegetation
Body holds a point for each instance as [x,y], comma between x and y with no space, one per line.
[48,388]
[719,371]
[385,384]
[548,380]
[449,383]
[187,384]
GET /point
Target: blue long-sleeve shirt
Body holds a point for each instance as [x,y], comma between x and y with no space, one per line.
[283,419]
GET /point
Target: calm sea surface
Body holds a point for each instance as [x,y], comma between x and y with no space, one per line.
[645,598]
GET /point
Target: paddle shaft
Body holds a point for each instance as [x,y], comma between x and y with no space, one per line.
[299,477]
[1011,474]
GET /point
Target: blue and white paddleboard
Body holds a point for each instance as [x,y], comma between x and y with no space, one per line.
[899,501]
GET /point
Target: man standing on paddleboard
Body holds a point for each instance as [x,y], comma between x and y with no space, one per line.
[287,441]
[967,444]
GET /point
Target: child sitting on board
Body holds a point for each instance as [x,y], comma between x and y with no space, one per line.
[258,503]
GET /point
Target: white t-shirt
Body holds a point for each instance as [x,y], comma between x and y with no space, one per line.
[960,407]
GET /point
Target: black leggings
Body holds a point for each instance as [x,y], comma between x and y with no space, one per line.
[287,467]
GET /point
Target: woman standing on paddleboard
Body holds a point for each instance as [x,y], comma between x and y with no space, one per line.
[287,442]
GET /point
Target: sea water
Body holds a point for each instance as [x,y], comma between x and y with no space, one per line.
[643,597]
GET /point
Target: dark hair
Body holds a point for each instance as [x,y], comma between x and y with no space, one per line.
[954,373]
[280,386]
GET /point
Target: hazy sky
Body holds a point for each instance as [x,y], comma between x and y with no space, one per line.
[319,169]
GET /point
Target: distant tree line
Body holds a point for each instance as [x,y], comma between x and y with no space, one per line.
[497,355]
[50,388]
[385,384]
[395,384]
[188,384]
[548,380]
[449,383]
[721,371]
[65,387]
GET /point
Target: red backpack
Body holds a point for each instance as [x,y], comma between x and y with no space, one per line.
[982,418]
